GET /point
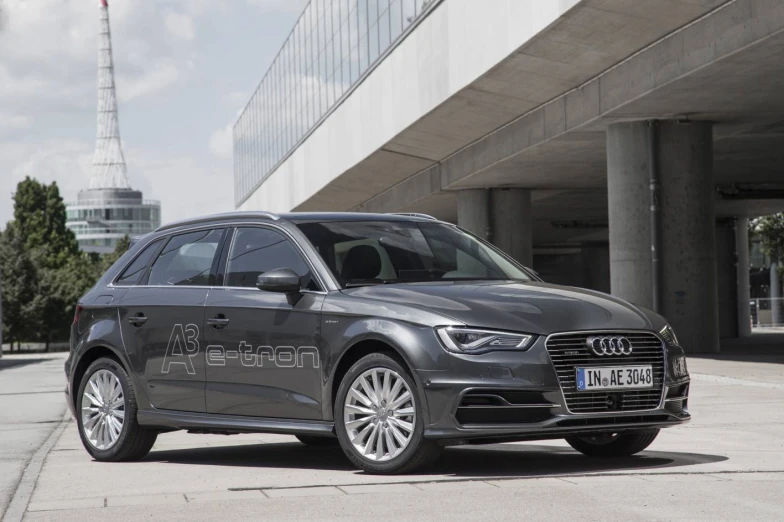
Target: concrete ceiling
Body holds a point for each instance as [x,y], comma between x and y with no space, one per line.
[725,68]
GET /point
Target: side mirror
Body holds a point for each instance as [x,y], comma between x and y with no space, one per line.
[282,280]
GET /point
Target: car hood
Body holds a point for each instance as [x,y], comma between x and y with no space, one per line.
[533,307]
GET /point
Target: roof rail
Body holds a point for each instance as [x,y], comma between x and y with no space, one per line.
[219,217]
[413,214]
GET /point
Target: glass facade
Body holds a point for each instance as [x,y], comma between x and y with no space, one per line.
[101,217]
[333,44]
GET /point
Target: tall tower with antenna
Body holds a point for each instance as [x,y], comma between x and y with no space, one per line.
[109,169]
[109,209]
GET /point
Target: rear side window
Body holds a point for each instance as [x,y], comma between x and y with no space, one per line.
[135,271]
[257,250]
[186,259]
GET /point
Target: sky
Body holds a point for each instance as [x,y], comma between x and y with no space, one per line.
[184,69]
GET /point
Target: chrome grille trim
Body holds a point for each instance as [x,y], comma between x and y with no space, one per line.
[649,348]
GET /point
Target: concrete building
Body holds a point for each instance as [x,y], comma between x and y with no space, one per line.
[620,145]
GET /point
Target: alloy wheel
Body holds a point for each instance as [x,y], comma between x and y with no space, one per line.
[103,410]
[379,414]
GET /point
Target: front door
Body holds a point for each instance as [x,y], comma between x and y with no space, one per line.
[263,351]
[162,320]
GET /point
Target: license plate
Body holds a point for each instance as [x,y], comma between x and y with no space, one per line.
[614,378]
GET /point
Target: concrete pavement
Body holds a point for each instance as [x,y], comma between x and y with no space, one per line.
[726,465]
[31,407]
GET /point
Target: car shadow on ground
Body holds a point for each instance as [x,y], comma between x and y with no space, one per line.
[496,460]
[8,362]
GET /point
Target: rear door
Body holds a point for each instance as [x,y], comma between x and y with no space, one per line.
[263,349]
[162,318]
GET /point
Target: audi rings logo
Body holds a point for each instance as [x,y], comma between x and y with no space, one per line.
[609,345]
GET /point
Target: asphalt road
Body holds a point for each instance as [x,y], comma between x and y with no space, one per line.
[728,464]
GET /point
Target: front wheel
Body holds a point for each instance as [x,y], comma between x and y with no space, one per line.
[106,414]
[613,444]
[378,418]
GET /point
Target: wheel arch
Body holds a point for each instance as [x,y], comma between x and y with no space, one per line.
[358,349]
[86,358]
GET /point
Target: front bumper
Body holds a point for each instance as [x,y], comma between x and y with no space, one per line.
[509,396]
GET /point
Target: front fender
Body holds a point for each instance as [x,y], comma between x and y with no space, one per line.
[416,345]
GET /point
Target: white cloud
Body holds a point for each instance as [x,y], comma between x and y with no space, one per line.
[67,162]
[295,6]
[157,76]
[179,181]
[172,58]
[12,122]
[49,50]
[221,144]
[179,24]
[187,186]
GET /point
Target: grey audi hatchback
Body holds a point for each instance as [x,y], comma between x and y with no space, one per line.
[390,335]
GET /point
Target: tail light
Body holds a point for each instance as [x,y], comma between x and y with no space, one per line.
[77,313]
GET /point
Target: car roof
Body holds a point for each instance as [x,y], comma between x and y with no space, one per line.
[296,217]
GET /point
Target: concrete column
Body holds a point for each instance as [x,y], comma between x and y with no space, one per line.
[775,294]
[473,211]
[629,212]
[511,224]
[742,271]
[687,231]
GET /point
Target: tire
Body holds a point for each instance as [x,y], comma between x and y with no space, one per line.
[316,441]
[614,444]
[389,424]
[132,441]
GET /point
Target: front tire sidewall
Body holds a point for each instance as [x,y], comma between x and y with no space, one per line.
[130,416]
[397,464]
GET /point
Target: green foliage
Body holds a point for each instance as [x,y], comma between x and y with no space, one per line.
[770,230]
[39,215]
[43,272]
[111,258]
[21,307]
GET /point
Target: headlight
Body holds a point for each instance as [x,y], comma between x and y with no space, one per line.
[669,335]
[473,340]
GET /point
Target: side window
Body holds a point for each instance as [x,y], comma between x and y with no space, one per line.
[186,259]
[135,271]
[257,250]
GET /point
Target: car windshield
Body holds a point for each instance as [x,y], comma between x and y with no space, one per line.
[382,252]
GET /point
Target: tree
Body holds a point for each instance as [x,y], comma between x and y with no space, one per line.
[44,272]
[770,230]
[21,304]
[60,272]
[39,217]
[109,259]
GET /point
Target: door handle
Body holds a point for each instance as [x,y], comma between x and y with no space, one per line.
[137,320]
[218,322]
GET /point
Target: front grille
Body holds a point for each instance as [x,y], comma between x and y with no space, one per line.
[569,351]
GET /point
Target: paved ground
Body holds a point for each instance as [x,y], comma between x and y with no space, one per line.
[728,464]
[31,406]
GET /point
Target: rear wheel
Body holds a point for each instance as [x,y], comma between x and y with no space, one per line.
[312,440]
[378,418]
[613,444]
[106,414]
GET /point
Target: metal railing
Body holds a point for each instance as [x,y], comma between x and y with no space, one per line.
[113,202]
[334,45]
